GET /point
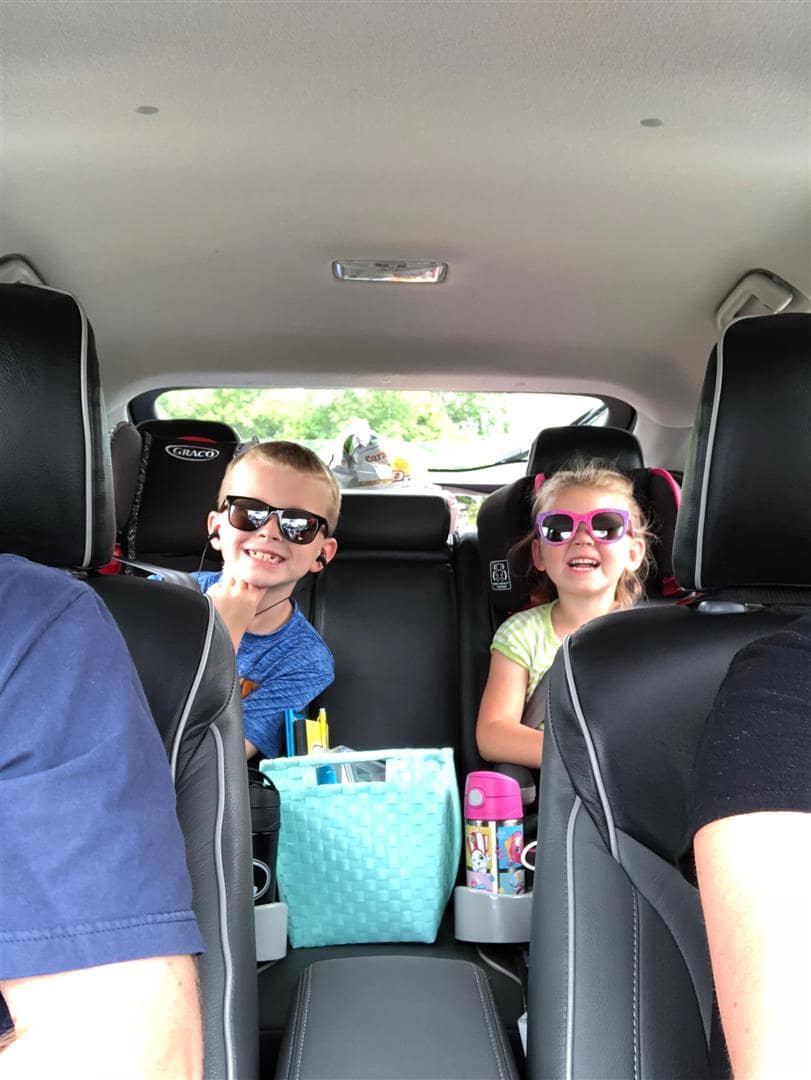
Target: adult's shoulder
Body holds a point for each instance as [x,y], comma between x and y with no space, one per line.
[33,597]
[44,586]
[769,667]
[66,677]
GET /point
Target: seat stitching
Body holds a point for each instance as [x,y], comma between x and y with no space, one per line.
[89,478]
[635,980]
[291,1043]
[487,1019]
[87,431]
[570,933]
[590,748]
[202,665]
[222,895]
[698,554]
[308,982]
[677,944]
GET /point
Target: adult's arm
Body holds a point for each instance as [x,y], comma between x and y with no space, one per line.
[752,822]
[132,1020]
[754,877]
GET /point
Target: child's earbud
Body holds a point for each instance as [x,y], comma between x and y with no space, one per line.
[322,560]
[213,535]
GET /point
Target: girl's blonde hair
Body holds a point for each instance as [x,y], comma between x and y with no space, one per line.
[588,474]
[294,456]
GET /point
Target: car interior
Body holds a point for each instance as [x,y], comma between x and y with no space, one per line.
[586,223]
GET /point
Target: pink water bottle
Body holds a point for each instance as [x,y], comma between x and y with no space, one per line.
[494,833]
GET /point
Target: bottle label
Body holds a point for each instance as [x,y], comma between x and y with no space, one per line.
[480,855]
[493,856]
[510,842]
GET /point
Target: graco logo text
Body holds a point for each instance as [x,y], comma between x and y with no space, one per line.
[192,453]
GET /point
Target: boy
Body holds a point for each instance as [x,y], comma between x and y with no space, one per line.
[277,509]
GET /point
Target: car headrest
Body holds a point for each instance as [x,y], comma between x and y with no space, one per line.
[170,470]
[555,447]
[505,516]
[56,486]
[401,521]
[745,517]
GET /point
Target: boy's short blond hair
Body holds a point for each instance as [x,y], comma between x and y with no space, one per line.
[296,457]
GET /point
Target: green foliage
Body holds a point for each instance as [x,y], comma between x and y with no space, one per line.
[314,416]
[480,414]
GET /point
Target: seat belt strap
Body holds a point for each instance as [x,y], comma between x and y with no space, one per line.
[173,577]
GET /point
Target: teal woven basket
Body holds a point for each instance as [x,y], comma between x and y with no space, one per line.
[367,861]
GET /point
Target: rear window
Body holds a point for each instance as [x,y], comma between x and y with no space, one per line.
[461,433]
[466,442]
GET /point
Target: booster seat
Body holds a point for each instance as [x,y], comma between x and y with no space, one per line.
[166,475]
[505,516]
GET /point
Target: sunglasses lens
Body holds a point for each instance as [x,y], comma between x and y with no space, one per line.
[248,515]
[607,526]
[557,528]
[298,526]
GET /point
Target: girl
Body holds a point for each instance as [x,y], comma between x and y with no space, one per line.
[588,546]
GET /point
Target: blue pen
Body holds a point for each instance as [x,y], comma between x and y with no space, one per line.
[290,739]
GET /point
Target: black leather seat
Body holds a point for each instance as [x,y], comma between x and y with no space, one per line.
[620,983]
[58,510]
[387,609]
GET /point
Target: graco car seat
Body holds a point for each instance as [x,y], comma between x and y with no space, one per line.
[505,516]
[166,475]
[59,511]
[620,982]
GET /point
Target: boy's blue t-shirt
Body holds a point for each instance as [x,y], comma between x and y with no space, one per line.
[278,671]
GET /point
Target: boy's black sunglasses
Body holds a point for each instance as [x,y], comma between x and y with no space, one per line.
[297,526]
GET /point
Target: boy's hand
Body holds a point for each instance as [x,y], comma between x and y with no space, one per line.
[237,602]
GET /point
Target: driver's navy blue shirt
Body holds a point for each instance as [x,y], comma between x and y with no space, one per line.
[92,862]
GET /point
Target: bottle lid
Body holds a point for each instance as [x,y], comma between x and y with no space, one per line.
[492,796]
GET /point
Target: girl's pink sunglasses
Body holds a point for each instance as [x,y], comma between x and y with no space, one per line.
[604,526]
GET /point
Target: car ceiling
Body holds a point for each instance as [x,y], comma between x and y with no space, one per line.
[586,251]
